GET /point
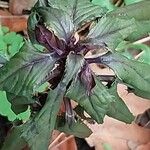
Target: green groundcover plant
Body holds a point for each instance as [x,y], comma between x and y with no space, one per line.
[10,43]
[43,78]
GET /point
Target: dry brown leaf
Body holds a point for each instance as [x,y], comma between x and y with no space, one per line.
[119,134]
[17,6]
[14,23]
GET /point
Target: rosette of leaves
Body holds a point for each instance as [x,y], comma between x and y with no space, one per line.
[69,30]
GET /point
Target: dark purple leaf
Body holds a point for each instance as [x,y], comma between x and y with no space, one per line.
[49,40]
[84,48]
[69,113]
[87,78]
[56,74]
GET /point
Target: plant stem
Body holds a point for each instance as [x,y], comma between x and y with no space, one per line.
[107,78]
[69,111]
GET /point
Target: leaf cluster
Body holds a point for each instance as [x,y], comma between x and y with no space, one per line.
[68,30]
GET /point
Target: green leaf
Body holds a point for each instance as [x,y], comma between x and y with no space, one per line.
[9,37]
[26,71]
[18,103]
[3,45]
[78,128]
[38,130]
[142,30]
[43,87]
[73,65]
[133,73]
[57,21]
[14,141]
[97,104]
[37,135]
[144,55]
[138,11]
[128,2]
[107,3]
[5,29]
[39,47]
[118,109]
[15,46]
[80,11]
[10,43]
[5,109]
[41,3]
[110,31]
[2,61]
[32,22]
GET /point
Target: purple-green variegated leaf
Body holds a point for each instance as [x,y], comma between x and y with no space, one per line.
[62,18]
[25,72]
[57,21]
